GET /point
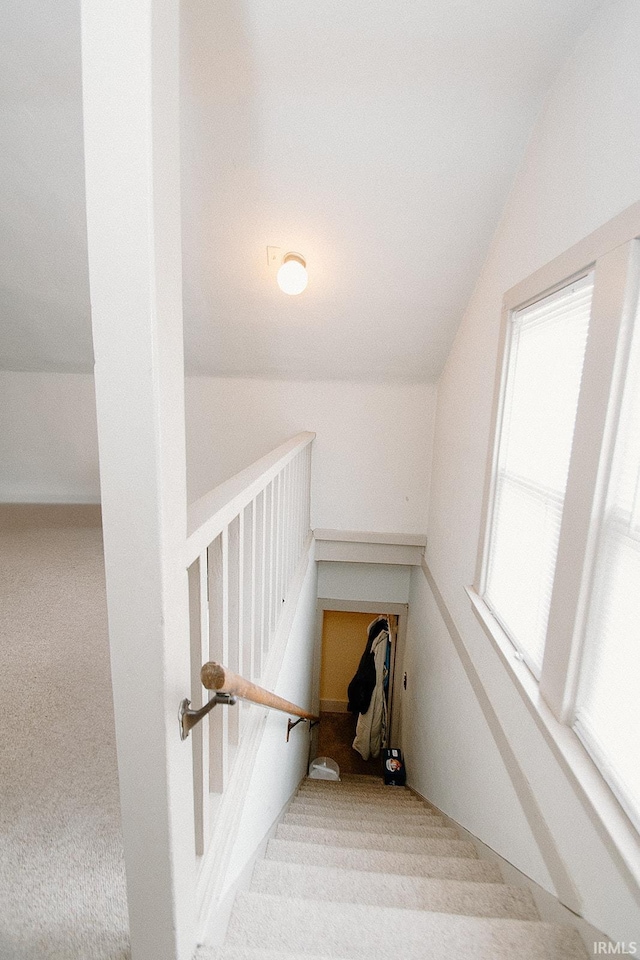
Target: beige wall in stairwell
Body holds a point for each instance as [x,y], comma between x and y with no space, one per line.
[580,169]
[344,638]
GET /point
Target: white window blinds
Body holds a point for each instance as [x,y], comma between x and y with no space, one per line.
[607,716]
[546,354]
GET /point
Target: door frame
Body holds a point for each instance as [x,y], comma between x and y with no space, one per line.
[397,653]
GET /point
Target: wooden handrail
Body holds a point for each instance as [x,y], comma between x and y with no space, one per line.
[216,677]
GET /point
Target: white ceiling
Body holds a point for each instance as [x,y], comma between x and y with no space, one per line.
[379,140]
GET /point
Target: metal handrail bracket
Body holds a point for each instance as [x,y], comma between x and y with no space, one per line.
[189,718]
[294,723]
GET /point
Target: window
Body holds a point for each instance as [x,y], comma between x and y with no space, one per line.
[558,575]
[607,715]
[546,353]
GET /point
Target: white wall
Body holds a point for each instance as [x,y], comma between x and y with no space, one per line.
[365,582]
[371,457]
[580,169]
[48,438]
[461,763]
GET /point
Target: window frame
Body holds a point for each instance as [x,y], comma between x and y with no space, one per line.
[613,254]
[505,358]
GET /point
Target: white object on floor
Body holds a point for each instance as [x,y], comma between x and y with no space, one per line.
[324,768]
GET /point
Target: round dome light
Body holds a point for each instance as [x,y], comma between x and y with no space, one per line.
[292,275]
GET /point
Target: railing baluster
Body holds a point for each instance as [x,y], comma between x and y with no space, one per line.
[268,542]
[300,509]
[286,526]
[274,609]
[248,588]
[198,631]
[307,496]
[282,540]
[297,507]
[241,558]
[217,648]
[233,618]
[258,619]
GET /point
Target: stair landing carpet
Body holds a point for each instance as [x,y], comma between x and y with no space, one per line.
[360,871]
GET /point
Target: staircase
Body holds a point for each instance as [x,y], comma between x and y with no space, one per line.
[360,871]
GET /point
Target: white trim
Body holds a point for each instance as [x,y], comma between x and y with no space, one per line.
[345,552]
[570,264]
[365,546]
[209,515]
[613,308]
[616,829]
[43,499]
[368,536]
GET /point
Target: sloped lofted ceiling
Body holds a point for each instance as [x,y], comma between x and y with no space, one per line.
[379,140]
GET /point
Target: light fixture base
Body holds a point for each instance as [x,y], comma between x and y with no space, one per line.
[295,256]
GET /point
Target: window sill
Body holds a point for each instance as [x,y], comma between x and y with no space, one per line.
[613,825]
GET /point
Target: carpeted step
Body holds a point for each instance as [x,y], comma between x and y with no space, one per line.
[338,785]
[247,953]
[391,890]
[433,846]
[350,799]
[352,784]
[360,778]
[349,781]
[359,932]
[390,826]
[362,811]
[398,797]
[385,861]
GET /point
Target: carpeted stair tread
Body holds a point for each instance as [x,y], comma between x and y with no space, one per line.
[360,932]
[392,890]
[385,861]
[341,786]
[333,786]
[402,802]
[365,810]
[441,847]
[359,778]
[357,871]
[352,785]
[257,953]
[349,799]
[389,826]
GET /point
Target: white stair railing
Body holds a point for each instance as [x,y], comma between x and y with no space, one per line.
[246,540]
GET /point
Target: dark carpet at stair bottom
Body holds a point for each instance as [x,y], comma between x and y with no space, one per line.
[336,733]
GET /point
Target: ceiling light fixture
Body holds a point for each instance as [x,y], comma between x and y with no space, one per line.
[292,275]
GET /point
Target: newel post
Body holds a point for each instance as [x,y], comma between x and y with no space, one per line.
[130,53]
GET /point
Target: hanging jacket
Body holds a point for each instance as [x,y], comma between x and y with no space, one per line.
[364,680]
[371,729]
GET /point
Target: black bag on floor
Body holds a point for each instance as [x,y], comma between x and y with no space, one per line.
[395,774]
